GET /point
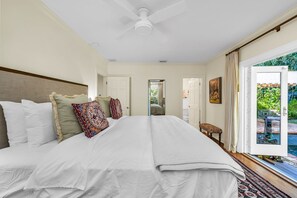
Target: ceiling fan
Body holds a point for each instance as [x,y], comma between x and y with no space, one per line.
[144,21]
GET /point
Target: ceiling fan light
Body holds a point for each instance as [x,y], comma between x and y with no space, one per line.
[144,27]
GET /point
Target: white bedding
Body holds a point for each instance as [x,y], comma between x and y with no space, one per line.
[17,163]
[176,146]
[119,162]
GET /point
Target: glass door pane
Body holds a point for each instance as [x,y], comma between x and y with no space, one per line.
[268,108]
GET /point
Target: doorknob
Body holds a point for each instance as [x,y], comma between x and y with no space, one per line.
[285,111]
[127,107]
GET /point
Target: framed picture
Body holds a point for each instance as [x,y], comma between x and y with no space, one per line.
[215,90]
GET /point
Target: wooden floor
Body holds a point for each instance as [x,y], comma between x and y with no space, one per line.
[273,178]
[277,181]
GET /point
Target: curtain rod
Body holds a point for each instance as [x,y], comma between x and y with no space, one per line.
[276,28]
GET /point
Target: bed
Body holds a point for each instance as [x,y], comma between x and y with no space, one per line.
[136,156]
[16,165]
[16,85]
[157,110]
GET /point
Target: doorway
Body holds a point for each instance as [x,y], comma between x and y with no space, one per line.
[101,86]
[192,101]
[156,97]
[268,103]
[119,87]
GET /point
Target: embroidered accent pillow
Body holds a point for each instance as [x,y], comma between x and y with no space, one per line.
[91,118]
[115,108]
[104,104]
[64,117]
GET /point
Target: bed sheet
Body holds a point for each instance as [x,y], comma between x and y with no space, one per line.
[17,163]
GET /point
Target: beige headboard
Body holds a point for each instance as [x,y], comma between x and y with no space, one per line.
[17,85]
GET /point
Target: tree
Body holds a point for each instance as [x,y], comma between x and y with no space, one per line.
[290,60]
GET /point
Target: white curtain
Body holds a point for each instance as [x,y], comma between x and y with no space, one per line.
[231,102]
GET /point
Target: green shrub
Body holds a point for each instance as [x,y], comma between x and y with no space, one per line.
[292,109]
[154,100]
[268,98]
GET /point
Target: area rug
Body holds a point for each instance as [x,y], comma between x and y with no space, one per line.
[256,186]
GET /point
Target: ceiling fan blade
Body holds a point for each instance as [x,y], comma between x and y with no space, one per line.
[161,35]
[168,12]
[129,27]
[130,10]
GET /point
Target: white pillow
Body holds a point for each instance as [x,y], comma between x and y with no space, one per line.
[15,122]
[39,122]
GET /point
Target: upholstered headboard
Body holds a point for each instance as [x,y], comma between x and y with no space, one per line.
[17,85]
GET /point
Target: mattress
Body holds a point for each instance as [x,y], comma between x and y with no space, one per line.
[17,163]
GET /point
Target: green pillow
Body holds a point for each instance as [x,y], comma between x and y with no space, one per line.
[104,104]
[65,119]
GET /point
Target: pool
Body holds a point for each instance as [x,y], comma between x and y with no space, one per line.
[292,149]
[292,143]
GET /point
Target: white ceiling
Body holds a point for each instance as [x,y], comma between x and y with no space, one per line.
[205,29]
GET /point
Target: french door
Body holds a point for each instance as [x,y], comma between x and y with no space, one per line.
[269,119]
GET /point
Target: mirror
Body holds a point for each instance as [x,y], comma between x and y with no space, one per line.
[156,97]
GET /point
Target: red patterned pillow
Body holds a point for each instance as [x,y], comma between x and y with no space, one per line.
[115,108]
[90,117]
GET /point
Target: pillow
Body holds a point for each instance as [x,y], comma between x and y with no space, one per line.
[39,122]
[15,122]
[64,117]
[104,103]
[115,108]
[91,118]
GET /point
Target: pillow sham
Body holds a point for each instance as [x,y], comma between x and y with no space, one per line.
[15,122]
[115,108]
[91,118]
[64,117]
[39,122]
[104,103]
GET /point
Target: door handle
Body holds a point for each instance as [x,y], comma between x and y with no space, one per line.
[285,111]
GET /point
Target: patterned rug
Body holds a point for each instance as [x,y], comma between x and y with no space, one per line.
[256,186]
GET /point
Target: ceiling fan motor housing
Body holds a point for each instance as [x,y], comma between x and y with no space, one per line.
[143,26]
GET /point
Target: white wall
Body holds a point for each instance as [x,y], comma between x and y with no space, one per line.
[215,68]
[215,112]
[141,73]
[33,39]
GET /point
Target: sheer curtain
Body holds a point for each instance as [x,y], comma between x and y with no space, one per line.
[231,101]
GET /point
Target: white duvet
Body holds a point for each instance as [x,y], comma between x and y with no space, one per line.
[119,162]
[16,165]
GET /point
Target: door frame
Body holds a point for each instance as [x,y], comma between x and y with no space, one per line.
[244,87]
[149,94]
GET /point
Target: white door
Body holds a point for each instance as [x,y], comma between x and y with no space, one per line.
[119,87]
[194,107]
[269,120]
